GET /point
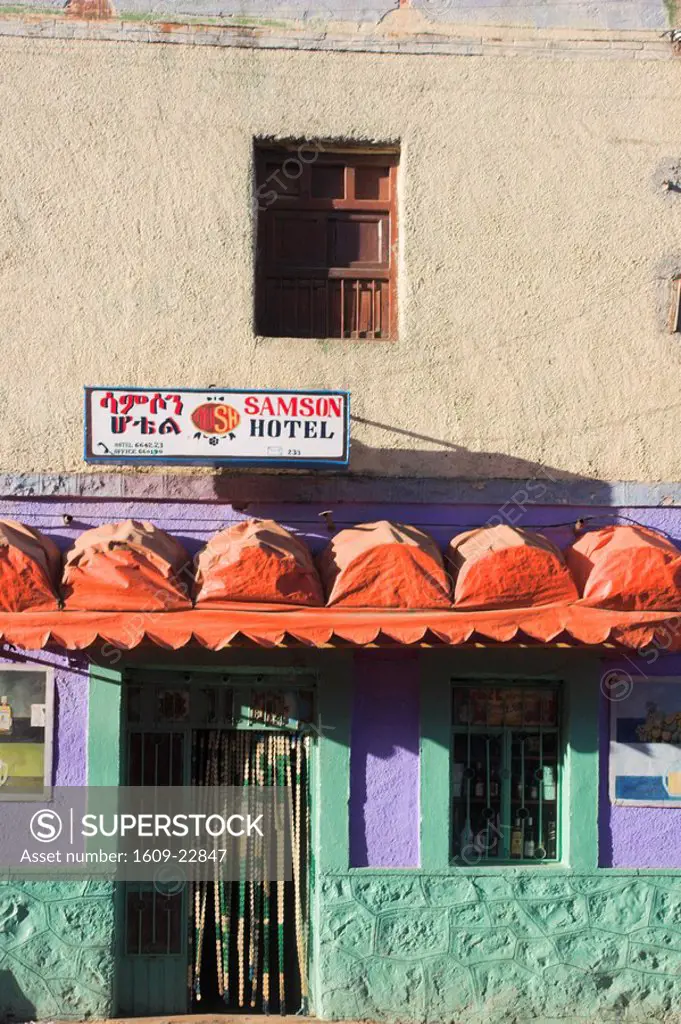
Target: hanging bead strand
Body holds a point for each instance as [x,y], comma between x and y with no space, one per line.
[215,781]
[229,761]
[296,752]
[257,883]
[268,754]
[241,934]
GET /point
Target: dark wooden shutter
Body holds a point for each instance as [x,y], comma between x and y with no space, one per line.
[327,232]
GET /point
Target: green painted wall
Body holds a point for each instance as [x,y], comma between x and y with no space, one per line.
[56,958]
[500,946]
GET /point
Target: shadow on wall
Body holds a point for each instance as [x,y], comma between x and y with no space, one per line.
[384,760]
[452,460]
[439,467]
[389,726]
[14,1006]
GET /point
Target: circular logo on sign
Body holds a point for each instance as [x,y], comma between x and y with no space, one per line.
[216,419]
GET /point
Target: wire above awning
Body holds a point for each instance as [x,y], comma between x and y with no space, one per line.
[573,624]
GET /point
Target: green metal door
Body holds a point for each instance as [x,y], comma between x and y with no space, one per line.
[153,939]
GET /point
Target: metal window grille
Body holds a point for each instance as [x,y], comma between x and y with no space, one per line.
[506,772]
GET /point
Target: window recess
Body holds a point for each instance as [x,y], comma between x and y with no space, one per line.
[327,232]
[506,772]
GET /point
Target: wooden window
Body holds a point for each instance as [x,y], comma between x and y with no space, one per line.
[506,772]
[327,233]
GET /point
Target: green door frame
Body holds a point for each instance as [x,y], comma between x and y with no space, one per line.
[329,763]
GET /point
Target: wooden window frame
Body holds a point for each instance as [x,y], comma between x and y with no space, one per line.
[302,202]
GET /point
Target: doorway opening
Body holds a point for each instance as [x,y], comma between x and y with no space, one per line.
[220,946]
[249,938]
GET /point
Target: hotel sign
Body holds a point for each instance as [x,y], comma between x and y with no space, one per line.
[192,426]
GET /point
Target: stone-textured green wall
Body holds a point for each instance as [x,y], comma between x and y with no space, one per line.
[477,948]
[56,953]
[485,947]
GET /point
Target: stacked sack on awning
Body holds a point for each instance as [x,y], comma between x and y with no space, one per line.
[136,566]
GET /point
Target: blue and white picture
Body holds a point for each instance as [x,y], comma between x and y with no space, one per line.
[645,745]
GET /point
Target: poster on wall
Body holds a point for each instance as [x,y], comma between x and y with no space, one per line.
[217,426]
[645,745]
[26,698]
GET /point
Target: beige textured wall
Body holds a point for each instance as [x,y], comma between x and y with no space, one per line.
[536,247]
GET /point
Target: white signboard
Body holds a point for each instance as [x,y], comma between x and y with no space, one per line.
[217,426]
[645,744]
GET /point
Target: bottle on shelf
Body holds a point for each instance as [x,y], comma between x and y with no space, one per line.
[466,838]
[549,783]
[6,716]
[464,712]
[551,840]
[457,779]
[479,788]
[520,791]
[534,790]
[528,849]
[517,839]
[493,784]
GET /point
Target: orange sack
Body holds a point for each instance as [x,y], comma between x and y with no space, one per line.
[257,560]
[30,565]
[628,568]
[504,567]
[384,565]
[129,566]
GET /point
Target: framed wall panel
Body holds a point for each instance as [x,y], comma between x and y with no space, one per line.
[26,732]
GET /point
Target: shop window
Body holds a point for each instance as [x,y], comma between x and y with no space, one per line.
[327,230]
[506,772]
[25,732]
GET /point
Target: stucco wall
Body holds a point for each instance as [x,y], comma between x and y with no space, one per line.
[384,760]
[635,837]
[500,947]
[536,243]
[56,950]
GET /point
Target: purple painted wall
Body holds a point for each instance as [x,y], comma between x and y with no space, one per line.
[384,783]
[194,522]
[635,837]
[384,761]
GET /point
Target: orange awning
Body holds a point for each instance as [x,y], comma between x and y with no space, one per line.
[275,625]
[131,583]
